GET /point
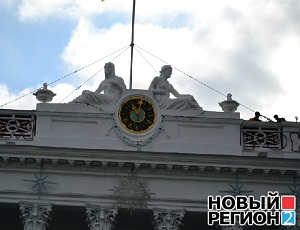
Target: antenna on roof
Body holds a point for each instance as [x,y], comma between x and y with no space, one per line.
[132,43]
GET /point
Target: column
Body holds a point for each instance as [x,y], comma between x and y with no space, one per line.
[168,219]
[100,218]
[35,216]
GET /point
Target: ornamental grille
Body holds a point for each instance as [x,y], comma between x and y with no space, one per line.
[261,137]
[17,127]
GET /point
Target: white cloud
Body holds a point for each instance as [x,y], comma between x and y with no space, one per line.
[34,9]
[7,3]
[220,50]
[233,46]
[284,62]
[25,100]
[72,9]
[13,100]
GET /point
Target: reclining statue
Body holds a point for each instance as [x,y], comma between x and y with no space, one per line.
[112,86]
[161,91]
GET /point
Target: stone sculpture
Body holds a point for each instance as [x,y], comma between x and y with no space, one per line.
[161,92]
[112,86]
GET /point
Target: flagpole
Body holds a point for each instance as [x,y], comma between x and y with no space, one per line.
[132,43]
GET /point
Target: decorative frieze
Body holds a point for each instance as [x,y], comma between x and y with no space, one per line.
[100,218]
[35,216]
[167,219]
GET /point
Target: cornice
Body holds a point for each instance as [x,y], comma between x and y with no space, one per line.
[70,154]
[149,163]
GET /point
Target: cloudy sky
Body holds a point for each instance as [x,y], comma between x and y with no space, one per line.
[248,48]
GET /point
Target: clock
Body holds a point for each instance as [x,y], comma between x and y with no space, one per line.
[137,114]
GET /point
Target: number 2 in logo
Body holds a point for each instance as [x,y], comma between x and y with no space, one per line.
[288,218]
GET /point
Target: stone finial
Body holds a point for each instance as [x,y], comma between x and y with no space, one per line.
[44,95]
[100,218]
[229,105]
[168,219]
[229,97]
[35,216]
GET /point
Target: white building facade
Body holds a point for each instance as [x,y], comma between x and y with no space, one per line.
[78,166]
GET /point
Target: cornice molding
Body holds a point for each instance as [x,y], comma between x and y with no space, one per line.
[172,164]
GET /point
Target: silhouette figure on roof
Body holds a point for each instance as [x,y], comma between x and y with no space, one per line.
[256,117]
[279,119]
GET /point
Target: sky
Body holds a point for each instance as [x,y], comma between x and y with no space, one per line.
[248,48]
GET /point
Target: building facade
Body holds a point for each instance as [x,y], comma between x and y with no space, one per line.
[80,167]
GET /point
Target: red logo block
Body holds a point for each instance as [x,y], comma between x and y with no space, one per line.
[288,202]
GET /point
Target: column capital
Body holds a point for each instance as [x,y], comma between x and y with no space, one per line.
[35,216]
[168,219]
[100,217]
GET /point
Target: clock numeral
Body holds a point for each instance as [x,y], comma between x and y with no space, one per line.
[123,113]
[130,125]
[136,127]
[150,115]
[149,122]
[144,126]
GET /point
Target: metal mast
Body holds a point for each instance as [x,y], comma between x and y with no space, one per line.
[132,43]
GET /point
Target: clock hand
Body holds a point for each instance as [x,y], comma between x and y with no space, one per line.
[134,108]
[139,109]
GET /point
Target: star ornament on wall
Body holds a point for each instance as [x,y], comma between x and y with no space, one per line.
[40,183]
[132,193]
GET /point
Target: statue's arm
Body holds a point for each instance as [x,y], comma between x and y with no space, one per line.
[175,92]
[153,86]
[100,88]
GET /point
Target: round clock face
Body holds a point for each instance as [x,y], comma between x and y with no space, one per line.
[137,114]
